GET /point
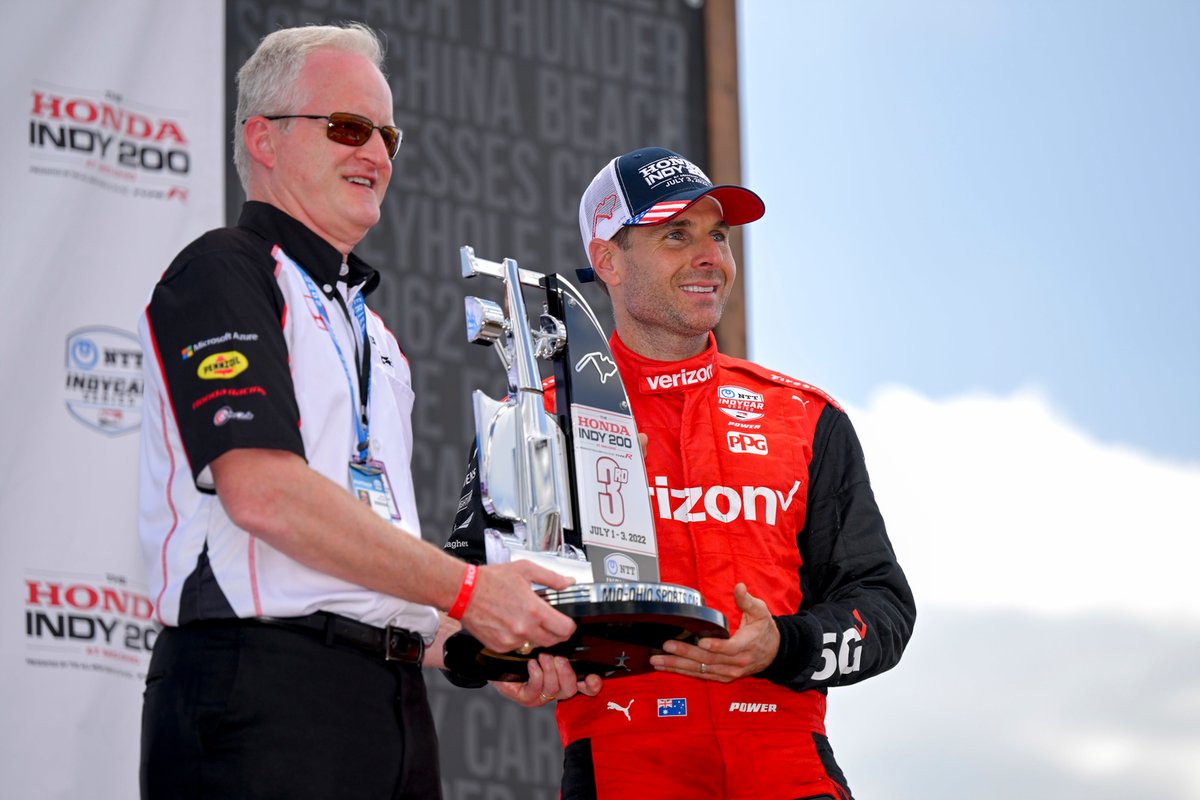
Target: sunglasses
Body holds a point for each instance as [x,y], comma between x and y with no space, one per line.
[351,129]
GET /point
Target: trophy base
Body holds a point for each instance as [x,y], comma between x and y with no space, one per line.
[618,627]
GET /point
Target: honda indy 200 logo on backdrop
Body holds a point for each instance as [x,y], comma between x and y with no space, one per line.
[114,143]
[78,621]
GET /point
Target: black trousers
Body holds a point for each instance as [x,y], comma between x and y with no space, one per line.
[237,709]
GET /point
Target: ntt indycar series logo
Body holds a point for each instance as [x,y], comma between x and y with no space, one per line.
[114,143]
[740,403]
[104,379]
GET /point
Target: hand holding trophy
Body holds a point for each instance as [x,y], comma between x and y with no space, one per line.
[572,484]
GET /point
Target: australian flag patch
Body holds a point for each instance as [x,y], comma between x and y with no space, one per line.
[672,707]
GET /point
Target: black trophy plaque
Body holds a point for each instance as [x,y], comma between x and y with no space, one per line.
[573,485]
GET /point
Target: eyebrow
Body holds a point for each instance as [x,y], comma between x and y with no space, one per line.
[687,223]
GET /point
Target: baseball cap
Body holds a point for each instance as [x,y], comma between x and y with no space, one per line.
[650,186]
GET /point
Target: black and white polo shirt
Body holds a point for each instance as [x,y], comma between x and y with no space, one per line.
[240,355]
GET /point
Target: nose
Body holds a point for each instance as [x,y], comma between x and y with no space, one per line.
[709,252]
[375,150]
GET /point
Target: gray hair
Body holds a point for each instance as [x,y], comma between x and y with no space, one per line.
[268,83]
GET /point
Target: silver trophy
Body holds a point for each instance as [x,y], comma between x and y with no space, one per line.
[572,485]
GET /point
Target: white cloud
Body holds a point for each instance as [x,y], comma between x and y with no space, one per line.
[999,704]
[1000,502]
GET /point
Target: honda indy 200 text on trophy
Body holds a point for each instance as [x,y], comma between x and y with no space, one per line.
[569,487]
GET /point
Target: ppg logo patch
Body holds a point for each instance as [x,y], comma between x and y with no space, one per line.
[752,443]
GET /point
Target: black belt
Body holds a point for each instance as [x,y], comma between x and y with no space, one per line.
[390,643]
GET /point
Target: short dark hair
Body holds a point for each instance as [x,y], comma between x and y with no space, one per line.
[621,238]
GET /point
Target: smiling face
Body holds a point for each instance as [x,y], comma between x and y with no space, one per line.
[334,189]
[670,282]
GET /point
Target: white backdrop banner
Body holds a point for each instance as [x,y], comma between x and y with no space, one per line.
[113,159]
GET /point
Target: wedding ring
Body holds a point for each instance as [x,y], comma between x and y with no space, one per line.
[526,648]
[703,668]
[546,697]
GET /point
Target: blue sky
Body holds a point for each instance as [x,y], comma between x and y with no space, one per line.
[991,195]
[983,237]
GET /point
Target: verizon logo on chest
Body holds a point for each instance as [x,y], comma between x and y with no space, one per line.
[684,377]
[721,503]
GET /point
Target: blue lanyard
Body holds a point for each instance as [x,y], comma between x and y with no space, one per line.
[362,426]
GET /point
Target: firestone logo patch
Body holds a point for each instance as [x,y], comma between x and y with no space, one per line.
[740,403]
[104,379]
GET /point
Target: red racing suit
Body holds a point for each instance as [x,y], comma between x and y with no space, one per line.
[757,478]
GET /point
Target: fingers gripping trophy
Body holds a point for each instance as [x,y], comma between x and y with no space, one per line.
[569,486]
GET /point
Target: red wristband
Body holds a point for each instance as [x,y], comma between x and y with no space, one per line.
[464,593]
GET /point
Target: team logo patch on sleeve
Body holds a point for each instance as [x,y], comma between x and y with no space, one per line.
[672,707]
[227,414]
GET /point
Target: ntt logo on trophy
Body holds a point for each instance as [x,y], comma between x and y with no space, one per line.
[619,566]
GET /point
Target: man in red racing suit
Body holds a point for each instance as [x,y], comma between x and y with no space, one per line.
[762,502]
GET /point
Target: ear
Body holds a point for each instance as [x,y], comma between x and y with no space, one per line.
[259,136]
[604,255]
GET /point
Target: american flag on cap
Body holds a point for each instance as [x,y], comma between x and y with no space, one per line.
[659,212]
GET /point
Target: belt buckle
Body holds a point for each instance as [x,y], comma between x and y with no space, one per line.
[403,645]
